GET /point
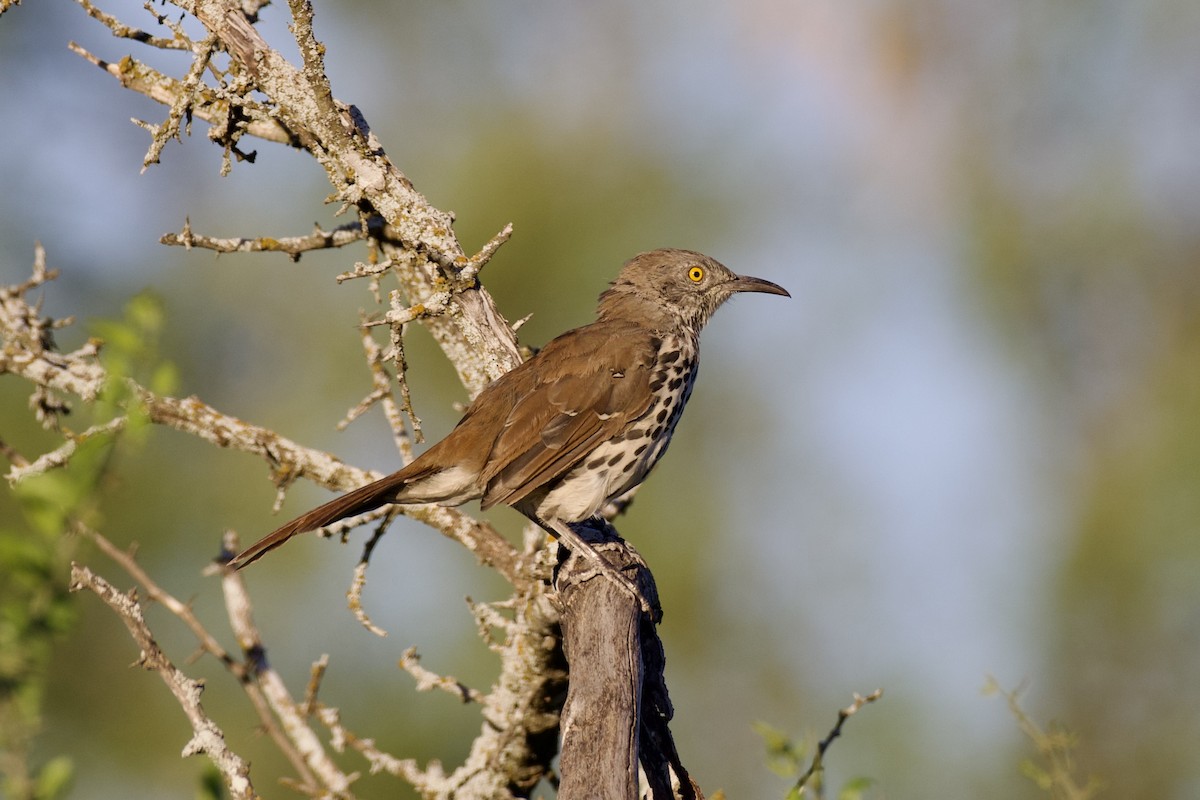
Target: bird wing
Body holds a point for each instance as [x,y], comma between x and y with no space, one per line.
[589,383]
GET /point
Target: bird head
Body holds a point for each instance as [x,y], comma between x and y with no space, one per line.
[667,288]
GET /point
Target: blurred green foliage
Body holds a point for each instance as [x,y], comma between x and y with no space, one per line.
[1054,770]
[36,609]
[801,762]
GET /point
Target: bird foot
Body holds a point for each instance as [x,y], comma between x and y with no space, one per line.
[607,570]
[584,549]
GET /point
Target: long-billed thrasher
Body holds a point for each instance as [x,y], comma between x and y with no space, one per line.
[576,426]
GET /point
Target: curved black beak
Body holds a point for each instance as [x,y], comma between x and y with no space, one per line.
[745,283]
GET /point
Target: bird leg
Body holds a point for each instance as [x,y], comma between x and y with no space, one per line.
[581,547]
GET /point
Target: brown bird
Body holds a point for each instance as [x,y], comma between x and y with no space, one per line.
[576,426]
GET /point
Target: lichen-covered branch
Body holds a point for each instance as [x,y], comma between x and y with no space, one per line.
[28,348]
[293,460]
[319,766]
[208,104]
[208,643]
[428,680]
[395,412]
[476,338]
[120,29]
[293,246]
[207,738]
[519,736]
[29,352]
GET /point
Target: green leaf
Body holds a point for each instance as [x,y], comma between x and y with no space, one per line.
[211,786]
[784,754]
[165,378]
[855,788]
[54,778]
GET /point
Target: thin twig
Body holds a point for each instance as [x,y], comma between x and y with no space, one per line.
[432,779]
[818,763]
[470,271]
[293,246]
[315,675]
[361,270]
[188,96]
[381,392]
[1057,773]
[61,455]
[354,597]
[123,31]
[427,680]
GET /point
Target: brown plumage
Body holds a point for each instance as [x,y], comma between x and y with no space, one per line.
[579,424]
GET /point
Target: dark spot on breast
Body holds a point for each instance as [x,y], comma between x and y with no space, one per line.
[612,462]
[667,358]
[662,415]
[595,463]
[641,449]
[635,433]
[675,383]
[628,466]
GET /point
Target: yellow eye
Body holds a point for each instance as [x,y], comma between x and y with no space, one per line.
[696,274]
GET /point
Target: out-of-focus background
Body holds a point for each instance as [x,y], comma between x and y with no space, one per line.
[968,446]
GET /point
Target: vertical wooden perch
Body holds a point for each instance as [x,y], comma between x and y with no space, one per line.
[617,708]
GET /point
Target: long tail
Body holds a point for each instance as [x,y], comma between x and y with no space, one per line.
[363,499]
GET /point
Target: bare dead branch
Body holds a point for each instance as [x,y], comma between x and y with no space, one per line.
[602,629]
[427,680]
[208,642]
[381,393]
[181,106]
[341,737]
[293,246]
[400,360]
[361,270]
[193,416]
[61,455]
[319,769]
[469,271]
[208,104]
[428,781]
[519,737]
[313,54]
[477,339]
[30,353]
[207,738]
[354,595]
[123,31]
[315,675]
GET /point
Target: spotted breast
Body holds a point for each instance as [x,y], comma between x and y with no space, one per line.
[618,465]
